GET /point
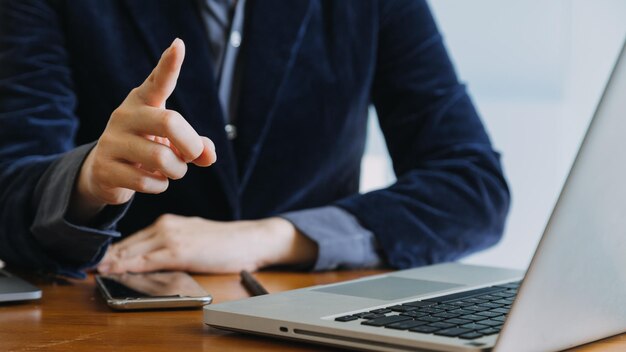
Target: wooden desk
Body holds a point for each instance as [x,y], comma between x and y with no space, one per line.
[73,317]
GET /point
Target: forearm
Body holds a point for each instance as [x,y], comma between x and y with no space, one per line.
[195,244]
[451,198]
[285,244]
[437,214]
[38,232]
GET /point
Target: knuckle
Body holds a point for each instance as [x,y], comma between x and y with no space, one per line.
[102,177]
[141,184]
[181,172]
[135,92]
[118,114]
[98,171]
[106,139]
[168,121]
[167,240]
[159,156]
[165,221]
[170,240]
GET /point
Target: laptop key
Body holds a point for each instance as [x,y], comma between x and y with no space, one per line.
[474,326]
[419,304]
[501,310]
[461,311]
[346,318]
[490,305]
[430,319]
[472,317]
[452,332]
[414,314]
[446,306]
[457,321]
[442,325]
[489,331]
[369,316]
[489,314]
[430,310]
[475,300]
[385,320]
[405,325]
[402,308]
[446,315]
[504,301]
[425,329]
[492,323]
[381,311]
[471,335]
[474,309]
[488,297]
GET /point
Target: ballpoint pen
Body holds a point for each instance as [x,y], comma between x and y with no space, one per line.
[251,284]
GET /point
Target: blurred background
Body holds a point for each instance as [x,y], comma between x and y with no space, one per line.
[536,70]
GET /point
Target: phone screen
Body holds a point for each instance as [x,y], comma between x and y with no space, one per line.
[160,284]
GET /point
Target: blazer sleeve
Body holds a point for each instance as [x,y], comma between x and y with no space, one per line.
[451,197]
[38,158]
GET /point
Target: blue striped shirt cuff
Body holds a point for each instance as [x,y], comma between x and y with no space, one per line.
[342,241]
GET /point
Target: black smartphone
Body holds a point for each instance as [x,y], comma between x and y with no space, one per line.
[131,291]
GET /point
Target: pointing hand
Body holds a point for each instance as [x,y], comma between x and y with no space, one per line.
[143,145]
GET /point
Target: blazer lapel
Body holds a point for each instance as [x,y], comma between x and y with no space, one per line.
[274,30]
[195,96]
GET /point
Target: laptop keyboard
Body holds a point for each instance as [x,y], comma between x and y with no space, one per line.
[466,315]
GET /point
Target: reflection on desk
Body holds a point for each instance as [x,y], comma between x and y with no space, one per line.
[74,317]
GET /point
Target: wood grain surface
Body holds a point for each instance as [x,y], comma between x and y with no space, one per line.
[72,316]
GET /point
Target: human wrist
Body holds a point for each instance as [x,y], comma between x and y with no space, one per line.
[83,205]
[284,244]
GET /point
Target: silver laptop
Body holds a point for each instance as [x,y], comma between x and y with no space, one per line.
[573,292]
[12,288]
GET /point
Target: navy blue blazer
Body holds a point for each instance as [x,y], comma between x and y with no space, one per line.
[310,70]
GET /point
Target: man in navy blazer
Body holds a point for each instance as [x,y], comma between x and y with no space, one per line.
[103,133]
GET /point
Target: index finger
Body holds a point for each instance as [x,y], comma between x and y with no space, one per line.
[161,82]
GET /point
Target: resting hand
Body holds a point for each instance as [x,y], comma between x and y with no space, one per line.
[143,146]
[199,245]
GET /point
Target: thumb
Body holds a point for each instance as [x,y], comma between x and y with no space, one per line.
[155,90]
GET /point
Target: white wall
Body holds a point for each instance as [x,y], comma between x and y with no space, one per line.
[536,70]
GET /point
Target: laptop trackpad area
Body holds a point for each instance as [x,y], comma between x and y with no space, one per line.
[388,288]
